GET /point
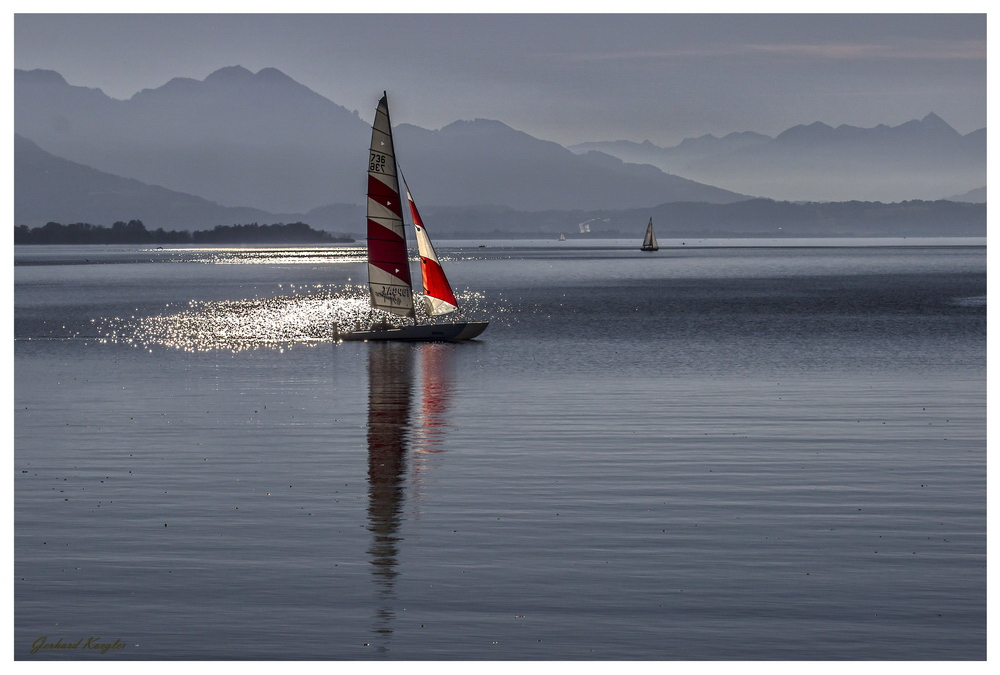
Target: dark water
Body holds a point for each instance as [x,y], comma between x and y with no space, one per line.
[711,453]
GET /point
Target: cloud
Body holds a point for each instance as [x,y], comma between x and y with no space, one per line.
[967,49]
[943,49]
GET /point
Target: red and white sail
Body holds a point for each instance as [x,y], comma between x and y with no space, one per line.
[438,296]
[388,264]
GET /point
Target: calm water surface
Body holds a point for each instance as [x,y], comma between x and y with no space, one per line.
[714,452]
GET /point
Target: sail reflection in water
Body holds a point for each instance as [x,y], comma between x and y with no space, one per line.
[435,389]
[392,432]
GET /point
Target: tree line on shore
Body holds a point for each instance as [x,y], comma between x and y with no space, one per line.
[135,232]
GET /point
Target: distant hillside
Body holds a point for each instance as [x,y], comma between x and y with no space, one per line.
[920,159]
[689,149]
[502,162]
[752,218]
[49,188]
[262,140]
[235,138]
[976,195]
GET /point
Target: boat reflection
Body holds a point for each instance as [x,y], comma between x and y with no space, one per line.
[435,396]
[395,431]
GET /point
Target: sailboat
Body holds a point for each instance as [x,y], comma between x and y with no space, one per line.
[649,241]
[388,260]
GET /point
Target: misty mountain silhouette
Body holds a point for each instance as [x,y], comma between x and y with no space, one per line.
[266,141]
[49,188]
[975,196]
[929,131]
[505,167]
[235,138]
[919,159]
[239,140]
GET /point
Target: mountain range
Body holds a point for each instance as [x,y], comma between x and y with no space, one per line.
[919,159]
[265,141]
[240,147]
[52,189]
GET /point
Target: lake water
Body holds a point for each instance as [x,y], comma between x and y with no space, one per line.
[720,451]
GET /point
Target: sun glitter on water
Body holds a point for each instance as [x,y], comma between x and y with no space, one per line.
[311,317]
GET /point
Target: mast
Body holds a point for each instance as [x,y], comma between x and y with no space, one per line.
[388,264]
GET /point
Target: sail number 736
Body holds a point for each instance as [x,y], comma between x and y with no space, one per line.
[377,163]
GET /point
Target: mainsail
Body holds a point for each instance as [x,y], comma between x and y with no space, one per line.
[388,264]
[438,296]
[649,241]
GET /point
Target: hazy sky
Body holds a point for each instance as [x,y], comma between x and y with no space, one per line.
[561,77]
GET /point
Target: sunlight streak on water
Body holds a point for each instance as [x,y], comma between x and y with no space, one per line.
[283,256]
[312,317]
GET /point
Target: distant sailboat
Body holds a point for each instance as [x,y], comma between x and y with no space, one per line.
[562,236]
[388,259]
[649,241]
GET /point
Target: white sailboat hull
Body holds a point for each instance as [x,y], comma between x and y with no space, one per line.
[441,332]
